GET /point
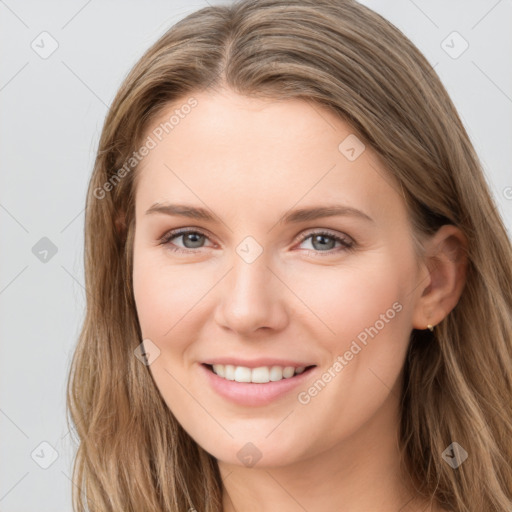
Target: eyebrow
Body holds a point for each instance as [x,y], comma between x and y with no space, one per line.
[295,216]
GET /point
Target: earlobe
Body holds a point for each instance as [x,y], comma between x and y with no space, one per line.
[446,263]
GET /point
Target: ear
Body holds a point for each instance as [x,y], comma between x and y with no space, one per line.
[120,225]
[445,266]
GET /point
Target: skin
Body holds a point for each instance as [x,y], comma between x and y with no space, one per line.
[250,161]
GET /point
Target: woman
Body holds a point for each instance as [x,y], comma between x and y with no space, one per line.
[299,288]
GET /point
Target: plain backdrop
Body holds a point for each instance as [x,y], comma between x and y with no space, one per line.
[61,64]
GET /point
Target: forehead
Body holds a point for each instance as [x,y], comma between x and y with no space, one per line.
[258,152]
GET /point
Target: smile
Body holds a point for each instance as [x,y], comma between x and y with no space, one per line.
[257,385]
[260,375]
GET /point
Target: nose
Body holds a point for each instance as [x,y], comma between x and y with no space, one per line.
[252,298]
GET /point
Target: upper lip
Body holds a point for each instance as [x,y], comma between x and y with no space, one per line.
[256,363]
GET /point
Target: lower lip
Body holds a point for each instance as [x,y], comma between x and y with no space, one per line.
[254,394]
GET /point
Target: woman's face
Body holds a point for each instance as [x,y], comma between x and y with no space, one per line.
[294,250]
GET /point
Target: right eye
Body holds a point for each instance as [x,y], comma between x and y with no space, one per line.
[191,239]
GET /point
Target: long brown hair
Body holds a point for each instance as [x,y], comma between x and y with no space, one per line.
[132,454]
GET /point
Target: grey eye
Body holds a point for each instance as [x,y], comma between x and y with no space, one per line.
[192,240]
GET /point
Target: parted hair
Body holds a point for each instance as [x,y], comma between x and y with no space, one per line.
[132,454]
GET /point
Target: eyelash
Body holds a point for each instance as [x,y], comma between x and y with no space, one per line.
[346,243]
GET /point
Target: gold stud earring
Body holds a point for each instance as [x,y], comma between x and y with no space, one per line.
[431,327]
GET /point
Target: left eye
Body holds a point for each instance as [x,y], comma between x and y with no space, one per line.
[320,241]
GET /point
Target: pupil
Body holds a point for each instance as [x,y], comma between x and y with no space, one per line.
[190,238]
[322,244]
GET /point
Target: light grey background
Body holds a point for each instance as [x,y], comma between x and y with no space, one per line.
[52,110]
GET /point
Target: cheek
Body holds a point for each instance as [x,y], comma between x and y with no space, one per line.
[155,289]
[155,295]
[349,299]
[152,299]
[163,297]
[364,308]
[168,298]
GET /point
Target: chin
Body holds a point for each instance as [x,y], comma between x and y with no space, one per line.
[254,454]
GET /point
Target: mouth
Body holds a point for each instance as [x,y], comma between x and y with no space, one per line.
[259,375]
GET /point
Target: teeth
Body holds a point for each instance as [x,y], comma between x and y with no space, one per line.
[229,371]
[260,375]
[288,372]
[219,369]
[276,373]
[242,374]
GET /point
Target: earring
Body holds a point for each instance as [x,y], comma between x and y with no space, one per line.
[431,327]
